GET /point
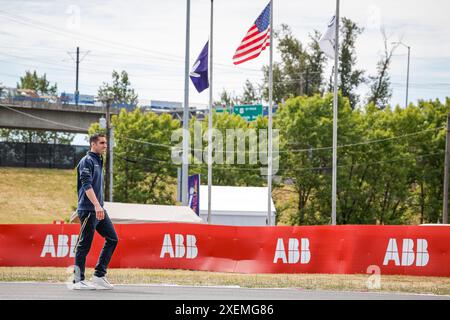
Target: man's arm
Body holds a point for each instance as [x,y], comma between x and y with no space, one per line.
[98,208]
[86,172]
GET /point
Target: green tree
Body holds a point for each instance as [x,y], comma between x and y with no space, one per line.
[40,84]
[306,124]
[428,148]
[390,161]
[250,95]
[295,61]
[280,90]
[316,61]
[291,74]
[227,99]
[300,71]
[350,77]
[374,181]
[232,130]
[2,88]
[380,85]
[143,167]
[120,89]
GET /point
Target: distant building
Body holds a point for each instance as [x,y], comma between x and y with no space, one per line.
[14,94]
[8,92]
[165,105]
[84,99]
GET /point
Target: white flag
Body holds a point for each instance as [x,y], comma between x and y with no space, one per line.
[328,41]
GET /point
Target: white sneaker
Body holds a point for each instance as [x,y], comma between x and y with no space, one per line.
[82,285]
[101,283]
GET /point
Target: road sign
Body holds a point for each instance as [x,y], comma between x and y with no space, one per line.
[222,110]
[249,112]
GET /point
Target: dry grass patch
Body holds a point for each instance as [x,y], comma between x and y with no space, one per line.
[29,195]
[404,284]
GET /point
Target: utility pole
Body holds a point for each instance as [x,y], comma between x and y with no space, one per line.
[185,165]
[446,173]
[407,77]
[77,93]
[269,116]
[77,63]
[335,118]
[210,115]
[307,81]
[108,162]
[111,166]
[108,149]
[407,73]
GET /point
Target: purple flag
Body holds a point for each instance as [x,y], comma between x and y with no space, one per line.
[199,72]
[194,193]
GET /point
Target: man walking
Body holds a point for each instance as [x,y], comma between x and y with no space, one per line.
[93,217]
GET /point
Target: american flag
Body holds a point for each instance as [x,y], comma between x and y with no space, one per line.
[256,39]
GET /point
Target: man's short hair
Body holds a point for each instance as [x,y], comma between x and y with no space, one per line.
[94,138]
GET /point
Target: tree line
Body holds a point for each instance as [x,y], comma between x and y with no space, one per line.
[390,161]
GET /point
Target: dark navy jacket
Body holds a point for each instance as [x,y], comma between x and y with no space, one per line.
[90,175]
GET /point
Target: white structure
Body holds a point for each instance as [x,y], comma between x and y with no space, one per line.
[236,206]
[168,105]
[125,213]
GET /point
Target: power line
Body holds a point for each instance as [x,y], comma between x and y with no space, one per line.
[371,141]
[175,77]
[49,28]
[97,71]
[365,164]
[65,67]
[300,150]
[58,68]
[246,152]
[123,47]
[90,70]
[228,166]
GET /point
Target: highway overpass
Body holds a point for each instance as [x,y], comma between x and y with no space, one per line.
[29,115]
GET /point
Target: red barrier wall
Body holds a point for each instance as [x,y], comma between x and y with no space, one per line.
[403,250]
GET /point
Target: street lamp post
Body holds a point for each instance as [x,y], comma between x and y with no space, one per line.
[107,99]
[407,75]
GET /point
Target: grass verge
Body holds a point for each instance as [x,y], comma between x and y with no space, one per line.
[403,284]
[30,195]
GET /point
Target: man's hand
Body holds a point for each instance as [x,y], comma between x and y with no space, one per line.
[99,212]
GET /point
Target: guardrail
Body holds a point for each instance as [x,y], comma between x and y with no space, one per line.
[401,250]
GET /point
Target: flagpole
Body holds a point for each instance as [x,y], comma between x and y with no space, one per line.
[269,167]
[210,118]
[335,117]
[185,166]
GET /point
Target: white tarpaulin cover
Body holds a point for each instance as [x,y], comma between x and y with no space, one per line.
[237,206]
[145,213]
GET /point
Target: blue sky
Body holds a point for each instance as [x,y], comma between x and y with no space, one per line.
[147,38]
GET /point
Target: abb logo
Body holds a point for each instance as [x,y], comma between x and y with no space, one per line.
[179,250]
[61,249]
[408,255]
[293,252]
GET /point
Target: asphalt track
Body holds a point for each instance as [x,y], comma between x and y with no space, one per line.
[60,291]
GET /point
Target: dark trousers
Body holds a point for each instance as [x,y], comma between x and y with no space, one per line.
[106,229]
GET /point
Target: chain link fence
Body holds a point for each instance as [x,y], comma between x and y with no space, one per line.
[40,155]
